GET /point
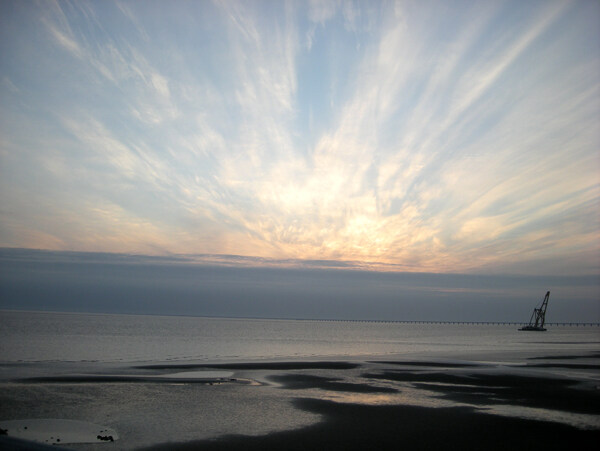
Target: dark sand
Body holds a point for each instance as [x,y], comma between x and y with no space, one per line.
[257,366]
[483,389]
[566,357]
[78,379]
[573,366]
[425,364]
[363,427]
[333,405]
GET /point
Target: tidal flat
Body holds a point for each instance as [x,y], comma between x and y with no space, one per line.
[419,402]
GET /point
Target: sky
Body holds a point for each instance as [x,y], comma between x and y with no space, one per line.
[425,137]
[182,285]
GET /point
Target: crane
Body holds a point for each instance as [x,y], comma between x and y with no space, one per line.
[539,314]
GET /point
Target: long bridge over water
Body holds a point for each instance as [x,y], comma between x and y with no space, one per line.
[474,323]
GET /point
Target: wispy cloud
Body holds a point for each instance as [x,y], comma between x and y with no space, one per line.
[419,137]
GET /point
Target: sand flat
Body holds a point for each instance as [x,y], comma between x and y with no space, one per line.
[58,431]
[355,404]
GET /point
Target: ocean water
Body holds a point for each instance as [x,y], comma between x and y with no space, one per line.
[143,378]
[74,337]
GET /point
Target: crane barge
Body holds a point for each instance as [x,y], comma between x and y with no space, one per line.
[538,317]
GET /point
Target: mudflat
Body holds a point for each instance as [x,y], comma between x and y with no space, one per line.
[534,403]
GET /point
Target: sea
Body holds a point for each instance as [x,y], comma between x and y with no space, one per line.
[58,373]
[30,337]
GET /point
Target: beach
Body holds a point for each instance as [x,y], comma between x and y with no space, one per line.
[117,382]
[531,402]
[299,225]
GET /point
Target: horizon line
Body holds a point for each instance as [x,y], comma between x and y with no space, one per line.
[341,320]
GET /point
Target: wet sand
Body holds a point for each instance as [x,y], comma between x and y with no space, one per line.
[536,403]
[361,427]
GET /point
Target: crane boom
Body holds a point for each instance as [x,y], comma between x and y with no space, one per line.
[538,317]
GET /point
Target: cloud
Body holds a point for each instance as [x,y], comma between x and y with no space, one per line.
[66,42]
[421,137]
[474,85]
[230,285]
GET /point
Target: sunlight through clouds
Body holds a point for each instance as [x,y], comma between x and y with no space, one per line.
[437,136]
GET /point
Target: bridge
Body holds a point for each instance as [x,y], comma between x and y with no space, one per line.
[472,323]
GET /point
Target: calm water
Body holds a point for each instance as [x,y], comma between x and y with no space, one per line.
[68,337]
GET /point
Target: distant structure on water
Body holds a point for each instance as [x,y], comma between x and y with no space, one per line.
[539,314]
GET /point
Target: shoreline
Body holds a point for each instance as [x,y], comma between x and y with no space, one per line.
[342,403]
